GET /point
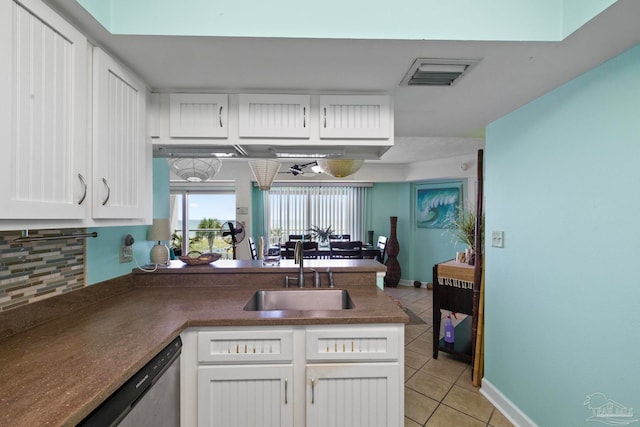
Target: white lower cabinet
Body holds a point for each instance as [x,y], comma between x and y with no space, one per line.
[328,376]
[249,396]
[353,395]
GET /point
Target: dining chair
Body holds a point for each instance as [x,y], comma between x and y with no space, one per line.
[252,247]
[310,249]
[345,250]
[382,247]
[299,237]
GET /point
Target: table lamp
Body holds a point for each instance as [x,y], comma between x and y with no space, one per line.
[159,231]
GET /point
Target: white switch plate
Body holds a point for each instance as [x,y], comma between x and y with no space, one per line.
[497,239]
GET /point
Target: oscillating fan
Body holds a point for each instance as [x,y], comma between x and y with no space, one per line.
[232,234]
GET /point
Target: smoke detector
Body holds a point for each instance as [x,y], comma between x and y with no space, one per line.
[437,72]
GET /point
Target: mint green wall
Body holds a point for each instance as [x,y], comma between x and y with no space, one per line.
[386,200]
[426,19]
[103,252]
[419,248]
[430,245]
[563,183]
[576,13]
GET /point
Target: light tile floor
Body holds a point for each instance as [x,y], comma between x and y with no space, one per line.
[438,392]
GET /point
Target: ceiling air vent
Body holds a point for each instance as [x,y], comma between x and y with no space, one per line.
[437,72]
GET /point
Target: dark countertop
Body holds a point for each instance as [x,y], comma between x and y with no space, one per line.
[58,372]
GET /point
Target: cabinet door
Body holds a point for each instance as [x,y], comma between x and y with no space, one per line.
[273,116]
[119,142]
[245,396]
[193,115]
[42,114]
[351,116]
[358,395]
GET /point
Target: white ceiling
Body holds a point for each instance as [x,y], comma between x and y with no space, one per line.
[430,122]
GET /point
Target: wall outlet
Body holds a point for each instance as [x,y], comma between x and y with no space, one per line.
[126,253]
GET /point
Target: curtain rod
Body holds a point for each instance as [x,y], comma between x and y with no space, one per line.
[26,238]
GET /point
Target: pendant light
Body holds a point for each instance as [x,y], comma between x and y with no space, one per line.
[340,168]
[195,169]
[265,171]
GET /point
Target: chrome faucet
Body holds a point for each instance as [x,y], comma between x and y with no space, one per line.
[298,258]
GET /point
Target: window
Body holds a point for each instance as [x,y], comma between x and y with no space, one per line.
[205,213]
[294,209]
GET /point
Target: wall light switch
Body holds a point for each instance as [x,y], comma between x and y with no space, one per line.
[497,239]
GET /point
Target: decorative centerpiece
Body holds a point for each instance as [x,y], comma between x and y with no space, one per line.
[321,234]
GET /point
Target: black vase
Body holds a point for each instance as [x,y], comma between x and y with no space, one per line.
[393,249]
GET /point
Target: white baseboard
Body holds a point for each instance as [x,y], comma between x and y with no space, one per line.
[504,405]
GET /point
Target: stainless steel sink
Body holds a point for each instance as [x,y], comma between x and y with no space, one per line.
[303,299]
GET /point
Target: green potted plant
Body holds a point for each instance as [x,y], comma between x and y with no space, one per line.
[463,229]
[321,234]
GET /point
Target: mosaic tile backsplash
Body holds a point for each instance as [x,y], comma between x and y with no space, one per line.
[35,270]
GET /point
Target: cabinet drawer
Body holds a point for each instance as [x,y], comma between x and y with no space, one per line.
[352,344]
[245,346]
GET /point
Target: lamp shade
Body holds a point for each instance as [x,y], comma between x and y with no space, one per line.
[340,168]
[265,171]
[159,230]
[195,170]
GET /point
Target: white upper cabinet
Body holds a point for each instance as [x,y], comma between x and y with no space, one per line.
[43,129]
[273,116]
[195,115]
[354,116]
[120,146]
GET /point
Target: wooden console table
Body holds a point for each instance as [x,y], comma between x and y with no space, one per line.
[453,291]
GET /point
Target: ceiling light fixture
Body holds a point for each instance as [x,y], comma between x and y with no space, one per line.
[306,153]
[197,151]
[195,170]
[298,169]
[340,168]
[265,171]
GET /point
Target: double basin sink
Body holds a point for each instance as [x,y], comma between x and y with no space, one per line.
[300,299]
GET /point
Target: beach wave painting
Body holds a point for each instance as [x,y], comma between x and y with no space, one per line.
[436,207]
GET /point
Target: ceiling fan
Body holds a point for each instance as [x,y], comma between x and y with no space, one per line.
[299,169]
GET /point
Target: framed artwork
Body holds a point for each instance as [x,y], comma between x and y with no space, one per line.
[437,203]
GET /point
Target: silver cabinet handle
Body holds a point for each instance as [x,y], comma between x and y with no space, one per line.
[84,188]
[325,117]
[313,391]
[220,116]
[304,117]
[286,393]
[106,184]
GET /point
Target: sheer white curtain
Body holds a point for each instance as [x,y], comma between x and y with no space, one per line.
[294,209]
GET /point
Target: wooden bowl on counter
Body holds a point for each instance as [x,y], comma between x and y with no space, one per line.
[201,259]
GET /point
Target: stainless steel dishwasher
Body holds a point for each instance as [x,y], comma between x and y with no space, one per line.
[149,398]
